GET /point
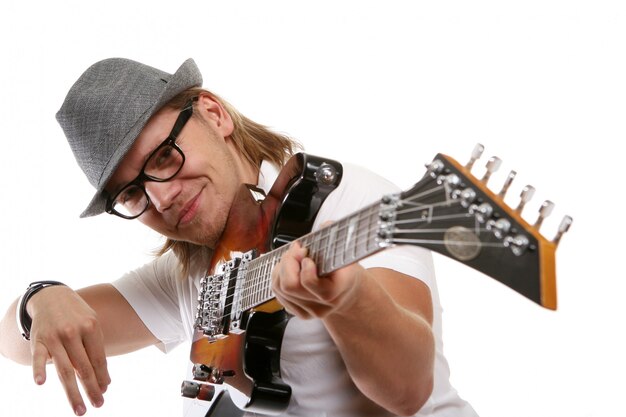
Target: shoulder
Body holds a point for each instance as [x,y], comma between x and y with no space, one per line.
[360,187]
[365,181]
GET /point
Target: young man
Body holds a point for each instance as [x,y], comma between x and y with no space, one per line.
[365,340]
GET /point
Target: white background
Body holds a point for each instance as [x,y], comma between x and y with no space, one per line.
[386,85]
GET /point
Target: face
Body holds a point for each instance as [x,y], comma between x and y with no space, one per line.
[194,205]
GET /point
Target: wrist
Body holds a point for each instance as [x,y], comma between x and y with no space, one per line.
[22,316]
[356,297]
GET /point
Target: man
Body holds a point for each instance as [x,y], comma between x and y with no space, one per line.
[365,340]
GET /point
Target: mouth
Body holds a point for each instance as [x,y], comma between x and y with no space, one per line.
[189,211]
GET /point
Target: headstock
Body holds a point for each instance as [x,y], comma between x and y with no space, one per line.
[452,212]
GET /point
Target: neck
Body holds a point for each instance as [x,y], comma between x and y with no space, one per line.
[248,172]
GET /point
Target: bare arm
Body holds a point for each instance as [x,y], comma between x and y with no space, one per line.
[75,331]
[370,314]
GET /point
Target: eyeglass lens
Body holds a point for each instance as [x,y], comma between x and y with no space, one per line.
[162,165]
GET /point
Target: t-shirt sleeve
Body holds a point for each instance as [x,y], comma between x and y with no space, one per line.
[151,290]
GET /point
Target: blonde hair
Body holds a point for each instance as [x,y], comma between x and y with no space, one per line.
[254,141]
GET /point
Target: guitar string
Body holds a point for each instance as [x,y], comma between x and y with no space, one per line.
[362,232]
[259,263]
[259,285]
[310,240]
[263,262]
[261,281]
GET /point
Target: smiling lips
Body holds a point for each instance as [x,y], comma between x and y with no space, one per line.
[189,211]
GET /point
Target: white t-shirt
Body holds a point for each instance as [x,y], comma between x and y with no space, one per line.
[310,362]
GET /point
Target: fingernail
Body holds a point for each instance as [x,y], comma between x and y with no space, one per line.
[98,403]
[80,410]
[39,380]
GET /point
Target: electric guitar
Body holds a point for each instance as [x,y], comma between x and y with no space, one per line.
[240,325]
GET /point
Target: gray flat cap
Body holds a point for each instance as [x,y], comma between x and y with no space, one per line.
[106,109]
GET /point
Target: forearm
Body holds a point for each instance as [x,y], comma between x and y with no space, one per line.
[387,348]
[12,344]
[123,331]
[75,330]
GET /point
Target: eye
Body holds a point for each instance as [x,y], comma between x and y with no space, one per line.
[164,163]
[130,197]
[163,157]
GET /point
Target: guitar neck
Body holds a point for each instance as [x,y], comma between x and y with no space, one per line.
[448,211]
[339,244]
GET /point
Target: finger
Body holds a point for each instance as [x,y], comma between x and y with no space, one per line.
[297,251]
[323,289]
[40,358]
[67,376]
[94,346]
[85,371]
[285,276]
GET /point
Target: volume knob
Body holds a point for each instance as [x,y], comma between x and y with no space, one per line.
[189,389]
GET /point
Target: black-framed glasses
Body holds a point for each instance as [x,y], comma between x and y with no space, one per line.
[132,200]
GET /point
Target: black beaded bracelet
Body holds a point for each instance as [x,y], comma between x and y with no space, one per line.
[24,321]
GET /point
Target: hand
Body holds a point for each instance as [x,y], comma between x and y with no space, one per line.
[299,289]
[66,331]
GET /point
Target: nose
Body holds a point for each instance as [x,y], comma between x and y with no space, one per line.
[162,194]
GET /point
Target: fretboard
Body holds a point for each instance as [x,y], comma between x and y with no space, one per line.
[332,247]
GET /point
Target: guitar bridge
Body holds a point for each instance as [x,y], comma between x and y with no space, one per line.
[219,309]
[211,300]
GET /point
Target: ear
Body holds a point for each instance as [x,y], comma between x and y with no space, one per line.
[214,112]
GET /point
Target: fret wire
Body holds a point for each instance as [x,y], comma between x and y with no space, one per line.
[345,253]
[267,272]
[255,299]
[241,294]
[351,238]
[247,290]
[374,216]
[259,279]
[364,237]
[338,241]
[348,255]
[316,251]
[321,244]
[341,238]
[252,290]
[365,240]
[330,248]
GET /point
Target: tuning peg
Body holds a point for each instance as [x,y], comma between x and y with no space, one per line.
[492,166]
[435,168]
[525,196]
[563,228]
[544,211]
[476,153]
[507,184]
